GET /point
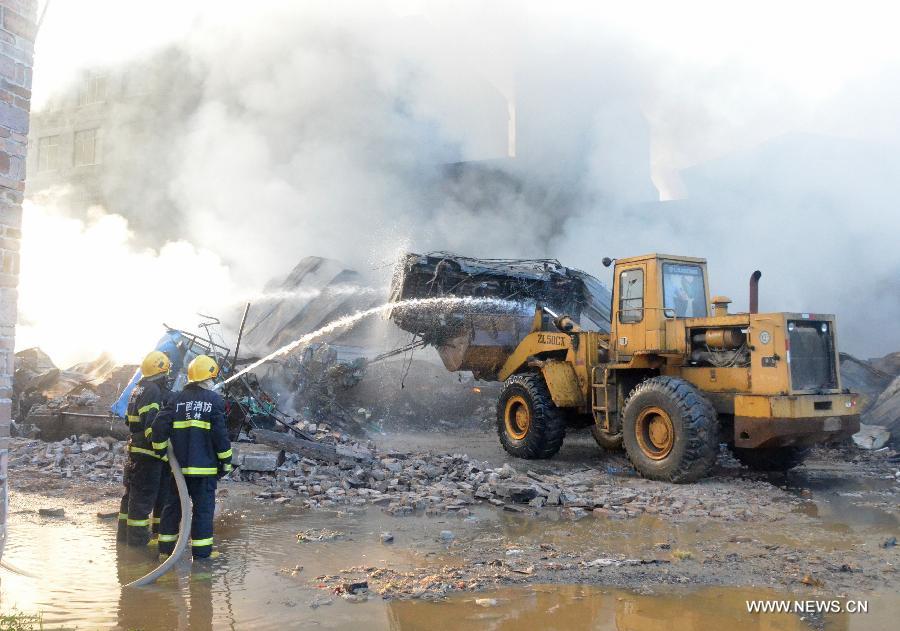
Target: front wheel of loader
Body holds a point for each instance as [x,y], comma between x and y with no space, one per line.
[776,459]
[670,430]
[528,423]
[610,442]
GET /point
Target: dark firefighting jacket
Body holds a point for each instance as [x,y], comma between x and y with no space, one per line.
[194,423]
[147,399]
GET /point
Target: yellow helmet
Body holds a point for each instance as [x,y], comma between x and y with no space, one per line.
[201,368]
[155,363]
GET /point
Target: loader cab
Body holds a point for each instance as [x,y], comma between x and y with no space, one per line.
[649,290]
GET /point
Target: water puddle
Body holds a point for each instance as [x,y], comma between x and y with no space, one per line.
[256,582]
[847,504]
[574,607]
[79,567]
[649,537]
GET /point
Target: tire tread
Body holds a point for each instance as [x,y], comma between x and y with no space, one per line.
[700,419]
[548,420]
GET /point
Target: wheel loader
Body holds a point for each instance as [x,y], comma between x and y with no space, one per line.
[675,375]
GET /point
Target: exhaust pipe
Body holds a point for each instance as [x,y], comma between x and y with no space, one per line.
[754,291]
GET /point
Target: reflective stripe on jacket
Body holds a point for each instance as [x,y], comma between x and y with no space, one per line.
[147,399]
[194,423]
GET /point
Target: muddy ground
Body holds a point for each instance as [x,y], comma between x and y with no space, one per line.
[829,521]
[436,515]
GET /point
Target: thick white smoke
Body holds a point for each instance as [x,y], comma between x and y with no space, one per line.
[87,287]
[291,129]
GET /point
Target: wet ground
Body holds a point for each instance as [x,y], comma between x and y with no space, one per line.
[528,570]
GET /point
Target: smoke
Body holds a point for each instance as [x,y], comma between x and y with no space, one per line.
[86,287]
[267,134]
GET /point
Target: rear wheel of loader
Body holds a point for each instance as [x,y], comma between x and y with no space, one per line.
[670,430]
[770,458]
[610,442]
[528,423]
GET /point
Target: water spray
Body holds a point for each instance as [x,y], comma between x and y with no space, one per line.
[350,320]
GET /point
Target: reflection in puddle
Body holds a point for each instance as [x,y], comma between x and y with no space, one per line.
[80,569]
[849,504]
[574,607]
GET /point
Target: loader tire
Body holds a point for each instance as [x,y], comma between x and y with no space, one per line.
[610,442]
[670,430]
[529,424]
[778,459]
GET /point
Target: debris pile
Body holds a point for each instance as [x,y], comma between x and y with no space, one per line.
[878,381]
[542,281]
[318,375]
[316,291]
[437,484]
[84,458]
[864,378]
[480,339]
[419,395]
[338,470]
[53,403]
[885,410]
[346,382]
[356,381]
[424,583]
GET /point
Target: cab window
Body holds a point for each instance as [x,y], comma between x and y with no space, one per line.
[631,296]
[684,291]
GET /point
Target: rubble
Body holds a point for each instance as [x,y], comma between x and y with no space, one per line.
[480,338]
[878,382]
[871,436]
[256,460]
[886,411]
[452,484]
[51,403]
[426,583]
[38,381]
[889,364]
[349,382]
[864,378]
[318,374]
[78,457]
[322,451]
[446,484]
[318,535]
[316,291]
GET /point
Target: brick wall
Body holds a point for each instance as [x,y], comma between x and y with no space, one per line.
[17,32]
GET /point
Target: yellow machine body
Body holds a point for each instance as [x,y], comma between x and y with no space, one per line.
[663,323]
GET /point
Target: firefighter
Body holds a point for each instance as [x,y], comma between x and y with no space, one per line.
[194,424]
[147,476]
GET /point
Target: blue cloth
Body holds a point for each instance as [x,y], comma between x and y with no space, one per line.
[168,344]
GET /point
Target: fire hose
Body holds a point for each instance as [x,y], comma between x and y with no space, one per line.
[184,530]
[15,570]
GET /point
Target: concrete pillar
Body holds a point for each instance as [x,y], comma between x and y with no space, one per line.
[17,33]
